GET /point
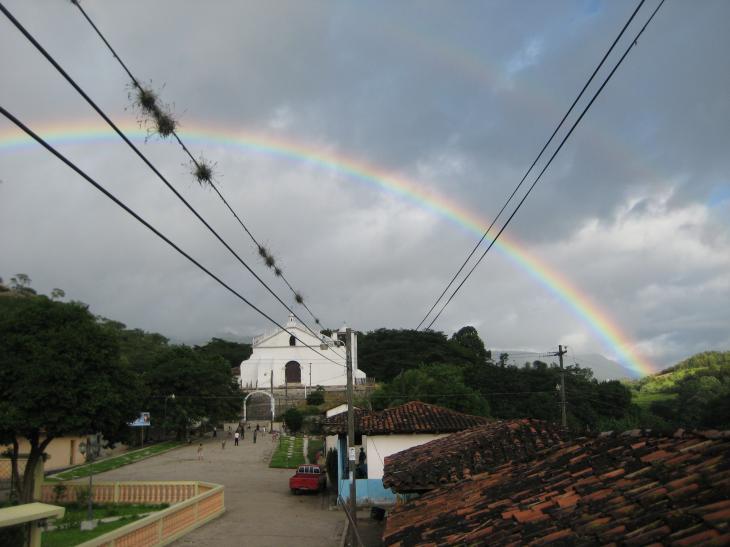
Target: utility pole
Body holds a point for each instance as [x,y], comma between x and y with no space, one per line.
[271,425]
[351,436]
[562,352]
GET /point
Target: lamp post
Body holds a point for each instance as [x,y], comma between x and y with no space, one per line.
[91,449]
[164,416]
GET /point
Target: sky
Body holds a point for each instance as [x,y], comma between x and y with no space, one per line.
[367,144]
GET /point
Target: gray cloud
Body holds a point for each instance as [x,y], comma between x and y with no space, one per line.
[456,99]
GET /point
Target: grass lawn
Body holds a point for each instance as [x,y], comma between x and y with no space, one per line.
[281,457]
[108,464]
[644,400]
[315,445]
[72,535]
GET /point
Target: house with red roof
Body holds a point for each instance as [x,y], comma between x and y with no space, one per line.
[383,433]
[633,488]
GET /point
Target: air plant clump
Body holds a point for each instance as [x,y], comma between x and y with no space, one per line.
[269,261]
[299,298]
[146,100]
[263,252]
[165,124]
[278,272]
[156,116]
[316,321]
[203,172]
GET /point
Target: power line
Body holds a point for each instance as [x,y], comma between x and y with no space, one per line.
[147,162]
[534,162]
[552,157]
[184,147]
[149,226]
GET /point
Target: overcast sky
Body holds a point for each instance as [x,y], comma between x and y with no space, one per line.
[454,97]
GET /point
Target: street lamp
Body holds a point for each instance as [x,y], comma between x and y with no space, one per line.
[164,416]
[91,449]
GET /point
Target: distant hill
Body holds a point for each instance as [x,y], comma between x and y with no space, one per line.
[602,367]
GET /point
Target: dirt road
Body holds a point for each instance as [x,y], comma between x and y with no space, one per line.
[260,510]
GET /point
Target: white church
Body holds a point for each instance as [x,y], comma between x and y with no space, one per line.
[284,358]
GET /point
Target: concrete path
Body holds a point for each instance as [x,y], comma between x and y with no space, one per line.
[260,510]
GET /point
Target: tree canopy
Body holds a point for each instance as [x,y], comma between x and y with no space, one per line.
[60,374]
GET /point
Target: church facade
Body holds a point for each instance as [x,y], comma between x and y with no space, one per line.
[280,359]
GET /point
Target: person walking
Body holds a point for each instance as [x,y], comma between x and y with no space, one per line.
[236,437]
[200,452]
[223,444]
[255,431]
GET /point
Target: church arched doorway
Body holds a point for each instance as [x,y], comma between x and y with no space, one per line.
[293,373]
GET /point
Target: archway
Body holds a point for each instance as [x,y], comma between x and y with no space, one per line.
[293,373]
[269,395]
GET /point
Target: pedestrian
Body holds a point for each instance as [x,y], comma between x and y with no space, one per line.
[255,431]
[215,431]
[235,438]
[229,432]
[223,444]
[200,452]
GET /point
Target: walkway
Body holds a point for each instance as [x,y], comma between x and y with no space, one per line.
[260,510]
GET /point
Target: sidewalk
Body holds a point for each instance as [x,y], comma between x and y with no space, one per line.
[260,510]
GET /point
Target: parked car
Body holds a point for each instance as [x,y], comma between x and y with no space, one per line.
[308,478]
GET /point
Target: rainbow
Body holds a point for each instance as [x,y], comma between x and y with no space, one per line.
[578,302]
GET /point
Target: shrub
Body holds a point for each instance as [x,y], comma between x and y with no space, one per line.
[293,419]
[315,398]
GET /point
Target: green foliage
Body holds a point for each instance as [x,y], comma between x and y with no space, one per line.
[202,385]
[468,338]
[316,397]
[60,374]
[293,419]
[386,353]
[233,352]
[437,384]
[691,394]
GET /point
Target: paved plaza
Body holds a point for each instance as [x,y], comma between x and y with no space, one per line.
[260,510]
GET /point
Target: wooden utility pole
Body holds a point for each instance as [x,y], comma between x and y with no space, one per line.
[562,352]
[351,436]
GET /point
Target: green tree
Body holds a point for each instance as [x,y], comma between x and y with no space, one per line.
[203,387]
[316,397]
[60,374]
[293,419]
[468,338]
[436,384]
[232,352]
[385,353]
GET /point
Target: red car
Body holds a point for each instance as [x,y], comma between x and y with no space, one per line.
[310,478]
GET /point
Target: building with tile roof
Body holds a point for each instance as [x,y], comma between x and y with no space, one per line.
[634,488]
[385,432]
[466,453]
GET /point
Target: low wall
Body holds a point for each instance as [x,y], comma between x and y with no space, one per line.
[126,491]
[195,503]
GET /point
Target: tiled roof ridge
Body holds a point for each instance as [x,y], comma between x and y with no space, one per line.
[410,417]
[469,452]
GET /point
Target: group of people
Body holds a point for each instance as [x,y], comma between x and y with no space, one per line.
[238,435]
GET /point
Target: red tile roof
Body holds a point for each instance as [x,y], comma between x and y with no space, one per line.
[449,459]
[412,417]
[632,488]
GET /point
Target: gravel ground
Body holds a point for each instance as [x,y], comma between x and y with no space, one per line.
[260,510]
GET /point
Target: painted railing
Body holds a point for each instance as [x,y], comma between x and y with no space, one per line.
[195,503]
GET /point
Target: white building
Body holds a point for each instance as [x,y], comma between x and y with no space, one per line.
[289,361]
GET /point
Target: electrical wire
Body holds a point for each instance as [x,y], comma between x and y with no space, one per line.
[187,150]
[552,157]
[534,162]
[149,226]
[147,162]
